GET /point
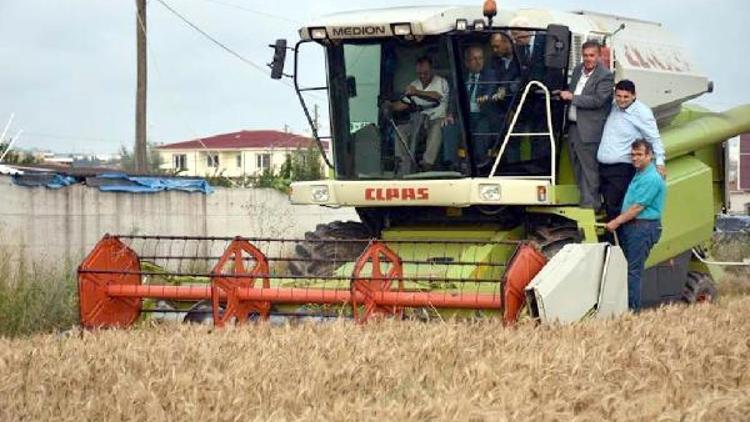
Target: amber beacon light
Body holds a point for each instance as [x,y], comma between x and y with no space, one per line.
[490,9]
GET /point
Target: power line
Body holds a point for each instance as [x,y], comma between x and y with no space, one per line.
[214,40]
[224,47]
[228,49]
[172,98]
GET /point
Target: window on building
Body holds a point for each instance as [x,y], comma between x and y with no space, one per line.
[263,161]
[179,162]
[212,160]
[239,160]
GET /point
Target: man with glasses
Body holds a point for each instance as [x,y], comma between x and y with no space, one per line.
[640,220]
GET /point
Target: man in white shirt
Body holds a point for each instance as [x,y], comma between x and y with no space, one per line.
[629,120]
[429,93]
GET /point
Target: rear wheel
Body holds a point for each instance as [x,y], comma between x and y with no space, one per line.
[699,288]
[320,253]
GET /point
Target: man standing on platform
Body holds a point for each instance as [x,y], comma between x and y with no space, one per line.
[590,103]
[630,119]
[640,220]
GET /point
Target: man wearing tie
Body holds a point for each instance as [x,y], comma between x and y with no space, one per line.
[481,86]
[530,48]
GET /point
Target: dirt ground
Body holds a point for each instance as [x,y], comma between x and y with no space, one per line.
[678,363]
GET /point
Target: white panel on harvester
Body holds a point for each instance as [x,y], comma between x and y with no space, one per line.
[613,295]
[570,286]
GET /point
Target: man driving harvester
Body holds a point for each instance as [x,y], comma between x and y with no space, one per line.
[428,97]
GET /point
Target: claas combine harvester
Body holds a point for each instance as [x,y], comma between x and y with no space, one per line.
[479,232]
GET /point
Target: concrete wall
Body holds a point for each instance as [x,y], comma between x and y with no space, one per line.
[739,203]
[40,223]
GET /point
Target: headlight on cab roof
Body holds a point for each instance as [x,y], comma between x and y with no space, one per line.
[402,29]
[318,33]
[320,193]
[489,193]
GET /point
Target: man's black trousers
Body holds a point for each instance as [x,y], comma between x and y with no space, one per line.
[614,180]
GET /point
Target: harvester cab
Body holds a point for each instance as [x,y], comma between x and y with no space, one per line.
[467,201]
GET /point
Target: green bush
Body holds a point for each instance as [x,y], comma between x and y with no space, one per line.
[301,165]
[35,299]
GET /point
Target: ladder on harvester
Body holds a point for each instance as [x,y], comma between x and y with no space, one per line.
[512,134]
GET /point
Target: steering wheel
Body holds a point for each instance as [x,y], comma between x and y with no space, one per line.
[409,100]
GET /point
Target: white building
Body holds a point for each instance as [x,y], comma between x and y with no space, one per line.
[244,153]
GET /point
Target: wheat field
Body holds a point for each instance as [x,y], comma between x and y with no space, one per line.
[676,363]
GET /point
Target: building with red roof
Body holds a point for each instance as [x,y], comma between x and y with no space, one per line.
[237,154]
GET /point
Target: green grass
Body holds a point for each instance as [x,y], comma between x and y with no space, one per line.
[35,298]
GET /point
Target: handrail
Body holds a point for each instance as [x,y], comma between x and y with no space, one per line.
[509,134]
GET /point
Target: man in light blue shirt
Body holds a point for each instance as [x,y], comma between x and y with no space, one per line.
[629,119]
[640,220]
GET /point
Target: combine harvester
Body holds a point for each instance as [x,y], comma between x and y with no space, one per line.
[477,233]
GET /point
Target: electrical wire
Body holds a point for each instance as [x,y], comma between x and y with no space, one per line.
[214,40]
[152,58]
[226,48]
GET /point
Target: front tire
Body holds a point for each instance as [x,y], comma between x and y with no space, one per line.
[320,254]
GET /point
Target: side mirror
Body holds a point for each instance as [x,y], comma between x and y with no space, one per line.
[557,47]
[279,57]
[351,86]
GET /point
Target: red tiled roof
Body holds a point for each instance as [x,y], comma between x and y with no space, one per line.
[246,139]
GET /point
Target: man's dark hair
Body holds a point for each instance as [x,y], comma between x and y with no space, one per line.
[643,143]
[591,44]
[625,85]
[424,59]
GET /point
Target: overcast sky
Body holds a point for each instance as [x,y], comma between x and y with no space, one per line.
[68,67]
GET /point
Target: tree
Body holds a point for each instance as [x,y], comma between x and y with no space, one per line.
[303,164]
[16,156]
[127,160]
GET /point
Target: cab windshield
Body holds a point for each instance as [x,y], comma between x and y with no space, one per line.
[440,107]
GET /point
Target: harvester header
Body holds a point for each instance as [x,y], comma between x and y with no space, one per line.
[171,274]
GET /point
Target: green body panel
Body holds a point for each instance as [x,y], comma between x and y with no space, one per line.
[566,194]
[565,174]
[584,218]
[689,212]
[716,272]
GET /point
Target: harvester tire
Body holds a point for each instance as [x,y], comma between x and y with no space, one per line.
[323,256]
[699,288]
[551,240]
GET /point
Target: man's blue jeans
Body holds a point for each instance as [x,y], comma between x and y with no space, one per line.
[637,239]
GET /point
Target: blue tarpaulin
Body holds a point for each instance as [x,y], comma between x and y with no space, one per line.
[152,184]
[115,182]
[52,181]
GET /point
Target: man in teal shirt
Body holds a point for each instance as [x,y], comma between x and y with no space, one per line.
[640,218]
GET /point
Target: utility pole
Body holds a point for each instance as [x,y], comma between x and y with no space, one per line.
[141,160]
[316,116]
